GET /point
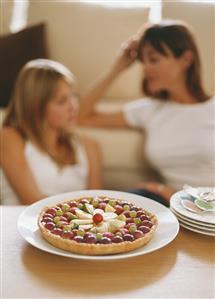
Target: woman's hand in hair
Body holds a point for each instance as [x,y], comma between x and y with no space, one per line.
[126,56]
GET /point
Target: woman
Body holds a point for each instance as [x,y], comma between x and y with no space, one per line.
[39,154]
[177,115]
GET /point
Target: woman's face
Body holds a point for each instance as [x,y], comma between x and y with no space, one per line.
[161,72]
[62,109]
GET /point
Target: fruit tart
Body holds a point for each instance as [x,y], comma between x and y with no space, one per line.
[97,225]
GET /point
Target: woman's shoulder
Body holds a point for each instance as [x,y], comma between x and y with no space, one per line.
[143,104]
[139,112]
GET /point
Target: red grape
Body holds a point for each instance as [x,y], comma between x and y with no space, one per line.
[102,205]
[144,217]
[108,235]
[144,229]
[49,225]
[73,204]
[47,219]
[138,234]
[57,231]
[117,239]
[90,238]
[62,218]
[68,235]
[51,211]
[105,240]
[147,223]
[128,237]
[78,239]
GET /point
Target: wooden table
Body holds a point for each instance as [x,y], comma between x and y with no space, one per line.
[182,269]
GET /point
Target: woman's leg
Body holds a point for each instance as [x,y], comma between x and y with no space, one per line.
[151,195]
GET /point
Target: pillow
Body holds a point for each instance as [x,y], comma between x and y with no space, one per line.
[15,50]
[85,37]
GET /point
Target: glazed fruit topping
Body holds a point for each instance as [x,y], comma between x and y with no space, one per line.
[97,220]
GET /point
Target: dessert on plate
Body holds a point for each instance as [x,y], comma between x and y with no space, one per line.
[97,225]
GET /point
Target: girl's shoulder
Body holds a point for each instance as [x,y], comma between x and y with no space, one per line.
[86,141]
[11,136]
[10,140]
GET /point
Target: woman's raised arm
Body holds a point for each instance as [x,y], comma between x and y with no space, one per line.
[88,114]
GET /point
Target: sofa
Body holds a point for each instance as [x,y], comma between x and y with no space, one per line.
[85,37]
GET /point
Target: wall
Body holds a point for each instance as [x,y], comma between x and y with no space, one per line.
[87,37]
[201,16]
[6,9]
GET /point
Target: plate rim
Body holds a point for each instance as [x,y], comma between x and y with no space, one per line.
[196,230]
[191,221]
[195,226]
[114,193]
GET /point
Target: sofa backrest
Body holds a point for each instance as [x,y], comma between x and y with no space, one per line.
[86,37]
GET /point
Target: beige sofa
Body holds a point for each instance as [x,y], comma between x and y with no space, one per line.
[86,37]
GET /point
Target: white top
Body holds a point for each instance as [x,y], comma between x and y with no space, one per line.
[180,140]
[49,177]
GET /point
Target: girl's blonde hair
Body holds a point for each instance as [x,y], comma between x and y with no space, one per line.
[34,87]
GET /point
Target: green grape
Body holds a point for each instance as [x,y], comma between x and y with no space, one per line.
[56,219]
[126,207]
[59,213]
[65,207]
[133,214]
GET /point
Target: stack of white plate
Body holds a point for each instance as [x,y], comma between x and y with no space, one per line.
[203,222]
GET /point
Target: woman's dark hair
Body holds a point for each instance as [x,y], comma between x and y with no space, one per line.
[178,38]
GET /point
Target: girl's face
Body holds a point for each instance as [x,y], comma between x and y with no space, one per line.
[162,72]
[62,109]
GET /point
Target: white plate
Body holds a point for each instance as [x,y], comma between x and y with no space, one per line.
[196,230]
[166,231]
[204,217]
[199,224]
[194,225]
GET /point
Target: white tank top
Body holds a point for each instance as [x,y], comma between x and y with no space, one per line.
[49,177]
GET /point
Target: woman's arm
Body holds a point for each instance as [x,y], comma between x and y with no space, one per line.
[95,180]
[88,115]
[158,188]
[16,168]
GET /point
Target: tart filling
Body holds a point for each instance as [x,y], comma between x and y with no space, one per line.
[97,225]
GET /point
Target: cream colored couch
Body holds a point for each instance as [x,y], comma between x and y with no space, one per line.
[86,37]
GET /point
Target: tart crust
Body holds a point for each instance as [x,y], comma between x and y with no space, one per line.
[96,249]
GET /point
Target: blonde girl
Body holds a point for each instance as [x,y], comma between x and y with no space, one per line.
[40,155]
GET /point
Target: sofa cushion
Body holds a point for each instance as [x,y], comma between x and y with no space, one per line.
[15,50]
[85,37]
[121,148]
